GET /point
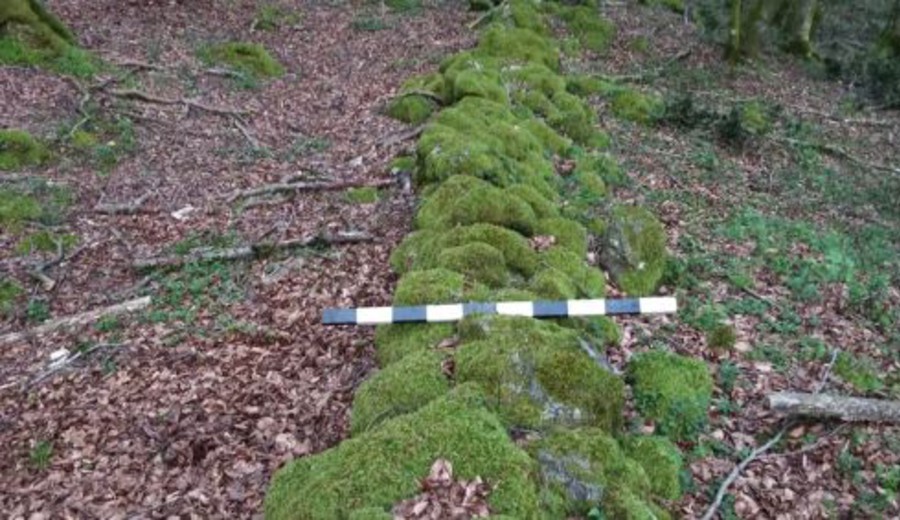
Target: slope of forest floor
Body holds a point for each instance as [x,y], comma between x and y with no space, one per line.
[189,406]
[787,235]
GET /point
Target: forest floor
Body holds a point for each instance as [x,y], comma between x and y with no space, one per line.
[188,406]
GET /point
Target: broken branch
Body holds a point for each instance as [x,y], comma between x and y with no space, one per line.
[850,409]
[78,319]
[251,251]
[307,186]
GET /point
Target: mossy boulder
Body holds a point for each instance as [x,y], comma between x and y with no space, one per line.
[480,138]
[551,284]
[672,390]
[403,387]
[586,467]
[542,206]
[535,374]
[588,281]
[246,57]
[464,200]
[422,249]
[412,109]
[19,149]
[478,261]
[384,466]
[661,461]
[568,233]
[543,92]
[515,45]
[633,249]
[429,287]
[396,341]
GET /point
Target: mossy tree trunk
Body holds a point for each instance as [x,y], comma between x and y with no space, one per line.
[733,49]
[798,26]
[33,15]
[892,31]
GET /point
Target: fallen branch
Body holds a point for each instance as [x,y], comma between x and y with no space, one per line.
[150,98]
[125,208]
[307,186]
[850,409]
[252,251]
[78,319]
[848,121]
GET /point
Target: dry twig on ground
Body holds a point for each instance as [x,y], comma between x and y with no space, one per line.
[283,187]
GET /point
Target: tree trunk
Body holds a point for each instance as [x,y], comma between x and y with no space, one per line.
[798,26]
[733,48]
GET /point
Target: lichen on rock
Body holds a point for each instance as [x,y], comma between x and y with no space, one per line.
[633,249]
[535,374]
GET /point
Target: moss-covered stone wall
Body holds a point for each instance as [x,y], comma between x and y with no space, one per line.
[513,182]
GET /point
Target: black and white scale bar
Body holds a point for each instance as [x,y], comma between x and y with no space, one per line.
[536,309]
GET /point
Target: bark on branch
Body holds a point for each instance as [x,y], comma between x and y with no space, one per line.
[850,409]
[250,251]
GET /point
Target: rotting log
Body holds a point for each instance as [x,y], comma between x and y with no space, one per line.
[851,409]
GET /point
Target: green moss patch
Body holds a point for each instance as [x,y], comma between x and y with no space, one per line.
[383,467]
[394,342]
[535,374]
[364,195]
[483,139]
[429,287]
[593,31]
[588,281]
[9,294]
[463,200]
[583,468]
[661,461]
[634,249]
[250,58]
[404,387]
[636,106]
[19,149]
[477,261]
[672,390]
[568,234]
[17,208]
[412,109]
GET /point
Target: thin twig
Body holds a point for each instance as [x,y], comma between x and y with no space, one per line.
[126,208]
[487,15]
[78,319]
[150,98]
[736,472]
